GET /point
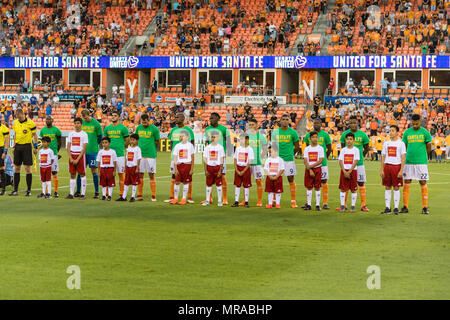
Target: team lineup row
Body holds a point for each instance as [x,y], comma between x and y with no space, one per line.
[131,156]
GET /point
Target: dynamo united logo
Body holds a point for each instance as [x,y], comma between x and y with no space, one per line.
[132,62]
[123,62]
[300,62]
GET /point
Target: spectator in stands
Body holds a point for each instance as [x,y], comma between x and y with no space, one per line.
[384,86]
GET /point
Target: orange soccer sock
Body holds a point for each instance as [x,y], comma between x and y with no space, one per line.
[259,189]
[153,186]
[424,195]
[172,186]
[189,195]
[362,193]
[121,182]
[346,197]
[224,188]
[406,189]
[141,187]
[325,193]
[293,189]
[55,182]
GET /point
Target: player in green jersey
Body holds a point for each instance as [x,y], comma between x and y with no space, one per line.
[224,141]
[362,143]
[55,136]
[149,138]
[288,144]
[120,139]
[174,139]
[418,146]
[94,131]
[325,142]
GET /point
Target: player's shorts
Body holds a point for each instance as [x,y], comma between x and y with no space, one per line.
[107,177]
[416,172]
[184,175]
[313,182]
[2,162]
[324,173]
[257,171]
[46,173]
[131,176]
[23,154]
[80,168]
[120,165]
[349,184]
[91,160]
[361,173]
[245,180]
[289,168]
[391,178]
[275,186]
[212,177]
[55,164]
[148,165]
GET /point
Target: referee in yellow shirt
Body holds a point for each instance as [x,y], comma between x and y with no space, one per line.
[4,144]
[24,136]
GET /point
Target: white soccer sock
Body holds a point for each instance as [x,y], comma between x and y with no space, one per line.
[133,191]
[125,192]
[354,196]
[318,194]
[110,190]
[208,193]
[44,187]
[308,197]
[342,196]
[104,191]
[83,185]
[246,194]
[396,198]
[237,192]
[185,190]
[270,198]
[49,187]
[176,191]
[387,198]
[278,198]
[219,194]
[73,183]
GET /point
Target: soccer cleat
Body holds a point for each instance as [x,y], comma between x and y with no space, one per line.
[168,200]
[307,207]
[294,204]
[48,196]
[277,206]
[132,200]
[404,210]
[139,198]
[154,199]
[82,197]
[246,205]
[174,201]
[352,209]
[96,195]
[259,204]
[341,209]
[304,206]
[28,194]
[206,203]
[188,200]
[236,204]
[318,208]
[2,193]
[425,210]
[77,195]
[182,202]
[41,196]
[242,203]
[109,198]
[70,196]
[396,211]
[387,211]
[325,207]
[225,202]
[56,195]
[103,198]
[269,206]
[365,209]
[219,204]
[121,199]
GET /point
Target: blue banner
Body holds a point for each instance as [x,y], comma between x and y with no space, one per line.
[229,62]
[344,100]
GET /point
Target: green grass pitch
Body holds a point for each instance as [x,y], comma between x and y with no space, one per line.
[146,250]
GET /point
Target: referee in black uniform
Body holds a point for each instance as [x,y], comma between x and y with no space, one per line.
[25,144]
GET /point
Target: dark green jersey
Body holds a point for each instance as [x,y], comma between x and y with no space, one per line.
[117,134]
[324,140]
[93,130]
[53,133]
[223,132]
[147,140]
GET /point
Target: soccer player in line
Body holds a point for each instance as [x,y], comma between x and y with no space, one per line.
[77,143]
[174,137]
[46,158]
[258,142]
[223,140]
[94,132]
[213,160]
[25,135]
[274,169]
[132,175]
[54,134]
[4,144]
[361,142]
[418,146]
[243,157]
[348,160]
[313,157]
[119,136]
[288,144]
[324,140]
[107,159]
[183,158]
[392,166]
[149,144]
